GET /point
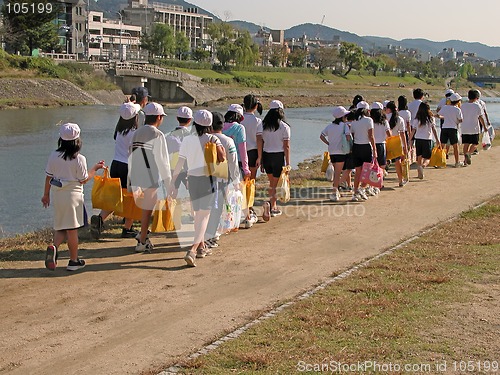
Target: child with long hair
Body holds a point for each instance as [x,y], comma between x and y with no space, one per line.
[273,140]
[363,149]
[397,126]
[423,128]
[381,131]
[66,173]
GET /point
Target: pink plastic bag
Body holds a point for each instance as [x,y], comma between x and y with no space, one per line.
[372,174]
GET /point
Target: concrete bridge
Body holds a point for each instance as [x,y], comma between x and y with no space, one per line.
[484,81]
[163,84]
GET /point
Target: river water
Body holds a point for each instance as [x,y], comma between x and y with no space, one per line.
[28,136]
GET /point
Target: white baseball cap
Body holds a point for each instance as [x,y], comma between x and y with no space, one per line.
[275,104]
[154,109]
[455,97]
[339,112]
[377,105]
[203,117]
[236,108]
[129,110]
[184,112]
[449,92]
[362,105]
[69,131]
[384,103]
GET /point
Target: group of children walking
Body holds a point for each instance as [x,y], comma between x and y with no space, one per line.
[152,165]
[358,135]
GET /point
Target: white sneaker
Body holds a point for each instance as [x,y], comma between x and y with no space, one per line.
[334,197]
[146,247]
[253,217]
[361,194]
[420,171]
[356,198]
[369,191]
[376,190]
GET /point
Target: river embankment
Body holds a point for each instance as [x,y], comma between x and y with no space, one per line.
[44,92]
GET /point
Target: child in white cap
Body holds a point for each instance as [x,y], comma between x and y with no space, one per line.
[124,131]
[66,173]
[333,135]
[148,168]
[202,188]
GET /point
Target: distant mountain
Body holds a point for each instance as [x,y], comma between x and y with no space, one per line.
[313,31]
[322,32]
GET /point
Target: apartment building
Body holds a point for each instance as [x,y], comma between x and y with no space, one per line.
[187,20]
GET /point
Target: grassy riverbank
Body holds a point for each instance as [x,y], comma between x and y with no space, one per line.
[430,303]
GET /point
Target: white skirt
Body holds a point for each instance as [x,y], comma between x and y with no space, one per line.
[68,206]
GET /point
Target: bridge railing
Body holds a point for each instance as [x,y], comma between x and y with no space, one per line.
[147,68]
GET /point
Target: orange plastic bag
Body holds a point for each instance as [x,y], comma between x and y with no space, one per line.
[210,158]
[326,161]
[394,148]
[438,158]
[248,191]
[107,192]
[166,216]
[130,209]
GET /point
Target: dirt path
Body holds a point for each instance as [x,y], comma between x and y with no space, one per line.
[127,313]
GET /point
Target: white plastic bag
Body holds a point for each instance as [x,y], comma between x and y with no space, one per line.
[486,142]
[329,173]
[491,131]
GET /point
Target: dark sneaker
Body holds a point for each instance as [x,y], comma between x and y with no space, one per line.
[96,225]
[51,258]
[75,265]
[129,233]
[146,247]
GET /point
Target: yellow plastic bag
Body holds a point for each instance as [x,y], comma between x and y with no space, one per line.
[210,158]
[248,190]
[165,216]
[406,169]
[221,170]
[394,147]
[438,158]
[107,192]
[326,161]
[130,209]
[283,187]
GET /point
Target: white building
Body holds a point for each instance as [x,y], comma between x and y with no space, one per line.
[193,24]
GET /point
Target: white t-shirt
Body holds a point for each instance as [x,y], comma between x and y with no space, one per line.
[413,108]
[483,106]
[251,123]
[471,113]
[193,150]
[379,131]
[273,140]
[406,115]
[441,103]
[424,131]
[400,125]
[452,116]
[70,170]
[334,133]
[231,156]
[122,146]
[359,130]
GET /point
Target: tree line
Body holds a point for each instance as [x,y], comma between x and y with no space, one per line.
[227,46]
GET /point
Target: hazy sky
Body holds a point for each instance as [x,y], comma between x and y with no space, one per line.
[436,20]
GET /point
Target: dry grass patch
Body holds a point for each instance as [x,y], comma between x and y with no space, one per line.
[413,306]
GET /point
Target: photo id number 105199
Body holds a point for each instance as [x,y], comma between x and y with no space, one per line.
[28,8]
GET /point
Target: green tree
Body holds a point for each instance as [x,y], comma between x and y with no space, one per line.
[221,34]
[325,57]
[466,70]
[352,56]
[389,63]
[297,58]
[200,54]
[182,45]
[160,42]
[26,27]
[246,51]
[375,64]
[278,55]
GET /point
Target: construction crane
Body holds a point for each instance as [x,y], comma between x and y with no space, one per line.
[319,27]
